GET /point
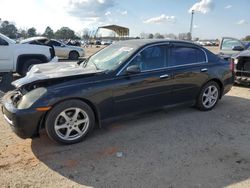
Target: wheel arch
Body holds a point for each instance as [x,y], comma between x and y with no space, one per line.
[21,60]
[219,82]
[88,102]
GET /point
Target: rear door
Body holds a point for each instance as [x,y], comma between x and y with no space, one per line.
[227,44]
[6,56]
[148,89]
[190,71]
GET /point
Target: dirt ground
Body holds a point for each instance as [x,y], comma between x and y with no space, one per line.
[176,147]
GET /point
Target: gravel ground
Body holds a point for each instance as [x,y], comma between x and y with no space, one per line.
[177,147]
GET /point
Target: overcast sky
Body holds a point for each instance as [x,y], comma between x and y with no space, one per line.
[213,18]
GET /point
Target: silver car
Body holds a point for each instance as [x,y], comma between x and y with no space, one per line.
[61,50]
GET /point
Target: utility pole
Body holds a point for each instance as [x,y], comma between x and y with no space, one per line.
[191,25]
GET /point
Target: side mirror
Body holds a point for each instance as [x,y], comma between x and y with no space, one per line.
[238,48]
[133,69]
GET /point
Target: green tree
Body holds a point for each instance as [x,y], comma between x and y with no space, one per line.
[158,36]
[31,32]
[49,33]
[150,36]
[247,38]
[65,33]
[8,29]
[86,34]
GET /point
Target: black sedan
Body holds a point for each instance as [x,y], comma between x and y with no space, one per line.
[68,99]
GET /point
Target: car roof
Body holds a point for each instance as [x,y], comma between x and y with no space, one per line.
[144,42]
[32,39]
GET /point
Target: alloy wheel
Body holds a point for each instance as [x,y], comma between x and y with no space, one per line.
[71,124]
[210,96]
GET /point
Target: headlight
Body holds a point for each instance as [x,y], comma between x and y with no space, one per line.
[236,61]
[30,98]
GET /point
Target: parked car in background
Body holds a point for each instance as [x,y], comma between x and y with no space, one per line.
[125,77]
[20,58]
[230,46]
[106,42]
[61,50]
[73,43]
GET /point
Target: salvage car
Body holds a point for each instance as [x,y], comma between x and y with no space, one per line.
[238,52]
[61,50]
[124,78]
[242,67]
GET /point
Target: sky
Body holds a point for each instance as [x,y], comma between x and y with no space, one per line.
[212,19]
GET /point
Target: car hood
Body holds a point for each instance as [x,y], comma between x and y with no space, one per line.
[245,53]
[52,71]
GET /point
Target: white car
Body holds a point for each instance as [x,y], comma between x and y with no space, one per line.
[62,50]
[19,58]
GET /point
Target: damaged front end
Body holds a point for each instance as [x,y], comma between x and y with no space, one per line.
[242,69]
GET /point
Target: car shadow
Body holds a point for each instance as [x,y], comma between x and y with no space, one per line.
[165,148]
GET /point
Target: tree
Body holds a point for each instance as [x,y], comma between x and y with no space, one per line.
[8,29]
[22,33]
[86,34]
[49,33]
[185,36]
[171,36]
[65,33]
[247,38]
[189,36]
[158,36]
[31,32]
[150,36]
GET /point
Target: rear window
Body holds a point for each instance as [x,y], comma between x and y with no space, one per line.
[181,55]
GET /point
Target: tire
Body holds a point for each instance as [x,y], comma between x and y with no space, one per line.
[209,96]
[27,66]
[69,122]
[74,55]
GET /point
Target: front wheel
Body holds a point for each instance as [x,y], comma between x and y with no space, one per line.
[69,122]
[73,55]
[209,96]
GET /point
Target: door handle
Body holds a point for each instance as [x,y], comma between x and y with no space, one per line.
[204,70]
[164,76]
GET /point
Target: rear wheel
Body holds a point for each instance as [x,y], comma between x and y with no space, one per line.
[73,55]
[209,96]
[69,122]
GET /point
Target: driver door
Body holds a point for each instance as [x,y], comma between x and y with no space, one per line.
[147,89]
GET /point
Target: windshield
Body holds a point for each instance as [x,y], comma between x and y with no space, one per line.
[7,39]
[110,57]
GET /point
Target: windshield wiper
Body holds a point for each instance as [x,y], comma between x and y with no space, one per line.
[85,62]
[95,66]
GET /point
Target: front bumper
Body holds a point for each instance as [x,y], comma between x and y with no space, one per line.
[25,123]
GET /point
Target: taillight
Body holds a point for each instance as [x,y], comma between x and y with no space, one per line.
[232,65]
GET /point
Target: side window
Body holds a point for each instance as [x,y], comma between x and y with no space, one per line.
[54,43]
[151,58]
[228,44]
[186,55]
[3,42]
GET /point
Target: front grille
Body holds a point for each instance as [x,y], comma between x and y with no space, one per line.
[243,73]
